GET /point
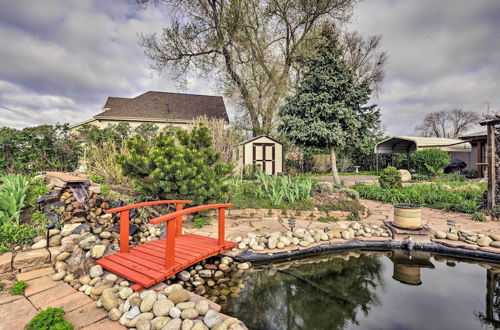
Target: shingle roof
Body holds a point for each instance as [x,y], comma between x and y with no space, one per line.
[163,105]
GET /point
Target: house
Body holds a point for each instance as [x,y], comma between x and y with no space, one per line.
[159,108]
[477,158]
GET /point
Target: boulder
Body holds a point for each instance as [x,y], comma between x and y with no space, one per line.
[96,271]
[147,301]
[88,241]
[405,175]
[162,307]
[40,244]
[97,251]
[202,307]
[189,313]
[211,318]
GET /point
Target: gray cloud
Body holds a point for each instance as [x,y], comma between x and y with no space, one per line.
[60,59]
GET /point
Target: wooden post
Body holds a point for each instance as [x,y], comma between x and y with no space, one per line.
[491,166]
[124,231]
[170,248]
[222,220]
[178,207]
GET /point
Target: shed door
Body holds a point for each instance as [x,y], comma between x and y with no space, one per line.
[264,155]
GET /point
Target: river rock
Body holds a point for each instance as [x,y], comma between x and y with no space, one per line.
[125,292]
[143,325]
[189,313]
[346,234]
[211,318]
[109,299]
[159,322]
[88,241]
[495,237]
[202,307]
[98,251]
[171,288]
[178,296]
[96,271]
[101,286]
[187,325]
[272,242]
[162,307]
[439,234]
[184,276]
[452,237]
[114,314]
[132,313]
[55,240]
[148,300]
[59,276]
[174,312]
[185,305]
[484,241]
[174,324]
[40,244]
[63,256]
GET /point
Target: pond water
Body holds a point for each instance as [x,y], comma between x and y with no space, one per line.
[380,290]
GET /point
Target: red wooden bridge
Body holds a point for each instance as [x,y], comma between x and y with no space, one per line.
[153,262]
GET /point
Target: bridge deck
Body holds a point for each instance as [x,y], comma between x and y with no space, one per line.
[145,264]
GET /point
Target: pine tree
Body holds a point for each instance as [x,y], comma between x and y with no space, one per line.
[177,164]
[328,109]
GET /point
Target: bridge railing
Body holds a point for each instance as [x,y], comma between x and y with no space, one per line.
[125,219]
[171,227]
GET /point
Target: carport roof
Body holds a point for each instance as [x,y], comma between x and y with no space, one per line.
[409,144]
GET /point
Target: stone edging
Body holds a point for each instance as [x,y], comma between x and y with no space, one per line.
[274,214]
[248,256]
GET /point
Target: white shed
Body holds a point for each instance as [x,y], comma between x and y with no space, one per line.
[261,150]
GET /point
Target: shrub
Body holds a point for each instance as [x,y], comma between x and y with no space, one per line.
[2,286]
[18,288]
[37,188]
[328,219]
[12,197]
[105,190]
[201,221]
[430,161]
[14,234]
[478,216]
[390,178]
[101,162]
[323,187]
[49,319]
[177,164]
[250,171]
[353,217]
[40,221]
[41,148]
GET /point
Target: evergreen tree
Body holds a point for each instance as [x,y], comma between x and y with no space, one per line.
[177,164]
[328,109]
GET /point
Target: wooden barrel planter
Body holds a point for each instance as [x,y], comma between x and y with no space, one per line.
[408,216]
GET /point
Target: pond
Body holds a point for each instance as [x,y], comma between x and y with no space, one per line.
[379,290]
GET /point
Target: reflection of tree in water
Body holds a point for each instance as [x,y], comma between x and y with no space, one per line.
[327,298]
[492,314]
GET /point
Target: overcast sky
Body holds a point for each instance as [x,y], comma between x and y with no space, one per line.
[61,59]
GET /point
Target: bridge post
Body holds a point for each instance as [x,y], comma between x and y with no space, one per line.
[178,207]
[124,231]
[170,248]
[222,219]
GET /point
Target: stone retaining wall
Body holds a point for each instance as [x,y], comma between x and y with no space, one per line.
[276,214]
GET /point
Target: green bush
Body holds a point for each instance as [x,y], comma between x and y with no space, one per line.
[201,221]
[2,286]
[14,234]
[36,189]
[96,178]
[177,164]
[250,171]
[105,190]
[452,196]
[353,217]
[13,193]
[49,319]
[41,148]
[39,220]
[390,178]
[18,288]
[328,219]
[430,161]
[349,192]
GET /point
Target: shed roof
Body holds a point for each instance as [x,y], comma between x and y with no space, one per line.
[409,144]
[257,137]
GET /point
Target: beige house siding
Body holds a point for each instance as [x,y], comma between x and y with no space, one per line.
[103,123]
[245,154]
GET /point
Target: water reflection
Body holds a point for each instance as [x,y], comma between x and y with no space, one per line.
[384,290]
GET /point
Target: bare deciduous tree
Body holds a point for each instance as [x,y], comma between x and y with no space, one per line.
[253,47]
[448,123]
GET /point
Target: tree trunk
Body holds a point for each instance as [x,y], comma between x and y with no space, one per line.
[333,160]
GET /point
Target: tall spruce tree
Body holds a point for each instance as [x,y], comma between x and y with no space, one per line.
[328,109]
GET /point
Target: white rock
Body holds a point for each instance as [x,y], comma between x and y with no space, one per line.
[96,271]
[211,318]
[40,244]
[174,312]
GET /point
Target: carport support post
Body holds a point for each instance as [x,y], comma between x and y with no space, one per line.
[491,166]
